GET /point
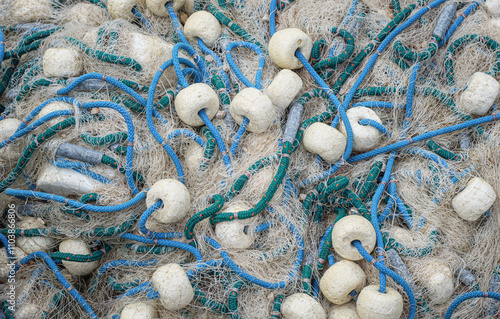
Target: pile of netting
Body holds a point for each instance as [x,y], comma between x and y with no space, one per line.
[249,159]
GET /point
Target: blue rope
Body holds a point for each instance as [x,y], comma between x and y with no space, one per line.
[151,125]
[141,17]
[151,234]
[187,133]
[197,59]
[61,162]
[147,286]
[418,138]
[177,24]
[37,109]
[239,135]
[167,243]
[34,125]
[375,124]
[262,227]
[70,202]
[52,265]
[293,273]
[350,95]
[220,65]
[272,17]
[380,266]
[218,138]
[467,296]
[458,22]
[136,96]
[236,70]
[380,104]
[2,46]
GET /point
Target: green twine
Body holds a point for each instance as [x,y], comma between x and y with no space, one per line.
[217,204]
[332,62]
[278,300]
[112,138]
[442,152]
[96,255]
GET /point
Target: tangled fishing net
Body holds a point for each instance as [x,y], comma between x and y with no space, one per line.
[249,159]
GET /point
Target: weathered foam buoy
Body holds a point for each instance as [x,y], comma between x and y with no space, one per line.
[203,25]
[32,10]
[474,200]
[283,89]
[86,13]
[196,97]
[78,247]
[340,280]
[366,137]
[372,304]
[349,229]
[150,52]
[345,311]
[31,244]
[175,197]
[193,157]
[122,9]
[254,105]
[482,91]
[492,7]
[232,234]
[302,306]
[324,140]
[437,278]
[139,310]
[173,286]
[9,152]
[283,45]
[158,6]
[62,63]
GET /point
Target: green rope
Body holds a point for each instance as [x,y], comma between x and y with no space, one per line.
[268,196]
[354,64]
[122,286]
[233,299]
[33,146]
[209,152]
[331,63]
[461,42]
[278,300]
[327,245]
[112,138]
[403,52]
[96,255]
[149,249]
[444,153]
[217,204]
[103,56]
